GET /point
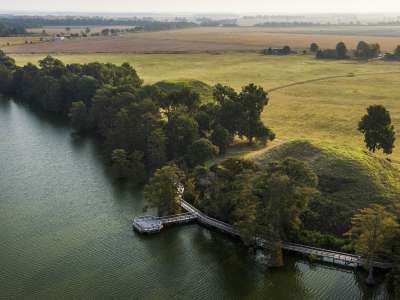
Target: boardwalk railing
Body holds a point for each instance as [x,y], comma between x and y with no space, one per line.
[203,218]
[151,224]
[334,256]
[177,218]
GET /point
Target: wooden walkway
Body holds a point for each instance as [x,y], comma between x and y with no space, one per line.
[149,224]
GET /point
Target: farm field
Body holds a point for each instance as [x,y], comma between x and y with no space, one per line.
[216,39]
[18,40]
[325,110]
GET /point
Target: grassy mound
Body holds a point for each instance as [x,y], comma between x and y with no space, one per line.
[204,90]
[349,179]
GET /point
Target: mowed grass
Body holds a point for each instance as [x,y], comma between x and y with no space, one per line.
[326,110]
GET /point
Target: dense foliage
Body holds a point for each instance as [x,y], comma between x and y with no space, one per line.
[367,51]
[264,203]
[143,127]
[340,52]
[373,231]
[162,192]
[10,29]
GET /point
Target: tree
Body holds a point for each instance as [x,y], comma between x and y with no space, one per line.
[341,50]
[367,51]
[5,80]
[371,229]
[327,54]
[79,116]
[52,66]
[222,138]
[286,50]
[396,51]
[284,190]
[120,163]
[7,61]
[181,131]
[184,98]
[229,108]
[253,99]
[156,152]
[378,130]
[128,166]
[200,151]
[162,190]
[314,47]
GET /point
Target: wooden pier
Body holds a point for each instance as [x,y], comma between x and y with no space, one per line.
[150,224]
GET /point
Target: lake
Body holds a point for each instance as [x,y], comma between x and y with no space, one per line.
[65,233]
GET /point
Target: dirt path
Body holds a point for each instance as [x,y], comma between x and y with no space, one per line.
[328,78]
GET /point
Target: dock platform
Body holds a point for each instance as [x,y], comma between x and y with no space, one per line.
[152,224]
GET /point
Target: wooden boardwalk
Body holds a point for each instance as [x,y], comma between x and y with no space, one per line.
[149,224]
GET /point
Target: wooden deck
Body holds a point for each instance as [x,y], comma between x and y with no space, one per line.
[149,224]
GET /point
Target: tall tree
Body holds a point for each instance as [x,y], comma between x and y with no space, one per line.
[314,47]
[378,130]
[222,138]
[79,116]
[371,229]
[367,51]
[341,50]
[284,190]
[253,99]
[200,151]
[162,190]
[181,130]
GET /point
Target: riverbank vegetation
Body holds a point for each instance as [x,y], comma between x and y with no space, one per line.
[142,126]
[171,130]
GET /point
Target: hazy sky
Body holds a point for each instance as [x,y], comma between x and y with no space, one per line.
[237,6]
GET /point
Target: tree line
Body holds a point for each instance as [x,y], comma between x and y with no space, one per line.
[142,126]
[148,24]
[11,30]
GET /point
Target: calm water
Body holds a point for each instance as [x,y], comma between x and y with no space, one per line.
[65,233]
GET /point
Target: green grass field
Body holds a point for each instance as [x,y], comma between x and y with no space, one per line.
[326,110]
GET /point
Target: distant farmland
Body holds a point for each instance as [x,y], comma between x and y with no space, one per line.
[219,40]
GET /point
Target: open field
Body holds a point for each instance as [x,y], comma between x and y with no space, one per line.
[326,110]
[211,39]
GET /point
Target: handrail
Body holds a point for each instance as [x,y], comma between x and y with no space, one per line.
[303,248]
[321,249]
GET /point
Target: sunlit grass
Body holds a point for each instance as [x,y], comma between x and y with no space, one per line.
[321,111]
